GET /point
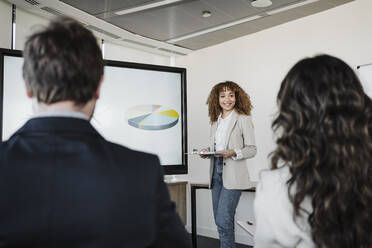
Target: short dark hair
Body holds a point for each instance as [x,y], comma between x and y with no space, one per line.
[62,62]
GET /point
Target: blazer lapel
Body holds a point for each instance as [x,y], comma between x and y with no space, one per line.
[234,119]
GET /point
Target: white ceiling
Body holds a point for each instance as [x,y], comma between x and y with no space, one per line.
[176,28]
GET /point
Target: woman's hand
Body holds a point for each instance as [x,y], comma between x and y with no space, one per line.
[203,155]
[227,153]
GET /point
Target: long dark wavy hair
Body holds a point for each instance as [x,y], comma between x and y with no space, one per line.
[242,105]
[324,136]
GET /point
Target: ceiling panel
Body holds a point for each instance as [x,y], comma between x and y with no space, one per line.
[174,21]
[237,9]
[160,24]
[183,20]
[315,7]
[207,40]
[339,2]
[96,7]
[253,26]
[195,9]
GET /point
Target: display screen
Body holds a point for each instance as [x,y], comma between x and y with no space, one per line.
[141,106]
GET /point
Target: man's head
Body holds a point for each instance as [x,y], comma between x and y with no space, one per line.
[62,63]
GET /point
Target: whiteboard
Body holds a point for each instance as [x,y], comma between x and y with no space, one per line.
[365,75]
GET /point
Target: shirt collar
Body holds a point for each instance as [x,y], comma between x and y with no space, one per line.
[227,117]
[61,113]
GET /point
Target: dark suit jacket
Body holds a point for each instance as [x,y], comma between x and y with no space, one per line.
[63,185]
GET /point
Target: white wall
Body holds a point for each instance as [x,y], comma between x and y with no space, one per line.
[5,24]
[258,62]
[26,24]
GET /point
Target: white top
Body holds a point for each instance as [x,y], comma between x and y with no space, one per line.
[221,133]
[274,214]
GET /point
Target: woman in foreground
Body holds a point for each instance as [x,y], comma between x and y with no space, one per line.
[319,190]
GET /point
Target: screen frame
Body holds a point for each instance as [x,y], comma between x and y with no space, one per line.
[168,169]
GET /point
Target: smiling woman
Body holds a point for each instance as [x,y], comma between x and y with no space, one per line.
[227,102]
[232,136]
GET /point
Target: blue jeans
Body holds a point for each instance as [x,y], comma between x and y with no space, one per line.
[224,203]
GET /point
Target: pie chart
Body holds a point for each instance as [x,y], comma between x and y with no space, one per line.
[151,117]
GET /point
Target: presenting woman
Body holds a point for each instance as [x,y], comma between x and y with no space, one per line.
[232,138]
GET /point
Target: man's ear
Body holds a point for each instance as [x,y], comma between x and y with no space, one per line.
[28,92]
[96,95]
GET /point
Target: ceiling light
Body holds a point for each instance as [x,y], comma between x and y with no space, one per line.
[271,12]
[206,14]
[261,3]
[145,7]
[227,25]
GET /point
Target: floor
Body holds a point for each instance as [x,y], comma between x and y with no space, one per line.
[206,242]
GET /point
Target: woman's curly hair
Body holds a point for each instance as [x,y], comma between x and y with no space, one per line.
[242,105]
[324,128]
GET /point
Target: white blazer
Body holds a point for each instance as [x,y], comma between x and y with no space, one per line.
[275,226]
[240,135]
